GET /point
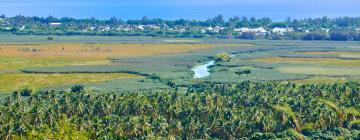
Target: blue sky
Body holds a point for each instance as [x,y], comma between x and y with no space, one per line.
[173,9]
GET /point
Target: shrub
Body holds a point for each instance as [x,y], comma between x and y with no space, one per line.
[247,71]
[77,88]
[225,57]
[26,92]
[50,38]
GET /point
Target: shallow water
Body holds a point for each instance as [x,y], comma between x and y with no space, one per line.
[202,70]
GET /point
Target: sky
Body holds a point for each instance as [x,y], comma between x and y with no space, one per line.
[175,9]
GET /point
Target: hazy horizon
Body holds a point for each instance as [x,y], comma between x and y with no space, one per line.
[200,9]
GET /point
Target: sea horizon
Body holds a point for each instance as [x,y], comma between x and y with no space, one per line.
[174,11]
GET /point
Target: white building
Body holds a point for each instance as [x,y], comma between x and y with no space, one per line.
[357,30]
[282,31]
[210,29]
[242,30]
[257,31]
[22,28]
[326,30]
[55,24]
[141,27]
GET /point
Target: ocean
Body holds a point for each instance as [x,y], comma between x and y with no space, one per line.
[105,11]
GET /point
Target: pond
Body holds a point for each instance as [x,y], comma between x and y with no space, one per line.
[202,71]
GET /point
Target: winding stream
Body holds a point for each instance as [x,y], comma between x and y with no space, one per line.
[202,71]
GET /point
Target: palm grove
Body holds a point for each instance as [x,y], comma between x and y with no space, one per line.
[245,110]
[340,29]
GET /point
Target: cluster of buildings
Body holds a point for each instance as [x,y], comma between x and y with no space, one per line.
[216,29]
[260,31]
[263,31]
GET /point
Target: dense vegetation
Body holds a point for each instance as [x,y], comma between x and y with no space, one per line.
[342,28]
[227,111]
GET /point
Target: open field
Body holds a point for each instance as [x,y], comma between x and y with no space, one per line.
[13,57]
[168,62]
[322,71]
[15,81]
[318,61]
[97,50]
[95,60]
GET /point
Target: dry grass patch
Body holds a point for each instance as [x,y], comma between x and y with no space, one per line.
[353,55]
[328,53]
[13,57]
[321,71]
[319,61]
[97,50]
[14,81]
[14,63]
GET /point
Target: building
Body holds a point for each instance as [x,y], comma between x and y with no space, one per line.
[55,24]
[281,31]
[257,31]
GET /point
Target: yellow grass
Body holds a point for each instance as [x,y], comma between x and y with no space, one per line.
[14,57]
[339,54]
[14,63]
[329,53]
[327,71]
[14,81]
[320,61]
[97,50]
[234,45]
[181,41]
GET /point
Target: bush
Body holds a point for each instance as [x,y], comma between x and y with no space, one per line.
[315,35]
[26,92]
[77,88]
[247,35]
[225,57]
[247,71]
[50,38]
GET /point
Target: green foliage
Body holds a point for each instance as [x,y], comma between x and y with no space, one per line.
[245,110]
[340,29]
[26,91]
[242,72]
[50,38]
[77,88]
[224,57]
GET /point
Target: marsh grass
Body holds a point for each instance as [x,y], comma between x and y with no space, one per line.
[14,81]
[321,71]
[314,61]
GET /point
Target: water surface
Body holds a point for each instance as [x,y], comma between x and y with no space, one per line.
[202,71]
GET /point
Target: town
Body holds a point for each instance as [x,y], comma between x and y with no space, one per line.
[342,28]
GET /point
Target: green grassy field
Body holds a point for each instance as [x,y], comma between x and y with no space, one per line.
[169,61]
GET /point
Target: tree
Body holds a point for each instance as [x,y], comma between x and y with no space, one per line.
[2,16]
[77,88]
[315,35]
[247,35]
[218,20]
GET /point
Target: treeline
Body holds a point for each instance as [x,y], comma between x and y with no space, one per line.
[246,110]
[235,22]
[325,28]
